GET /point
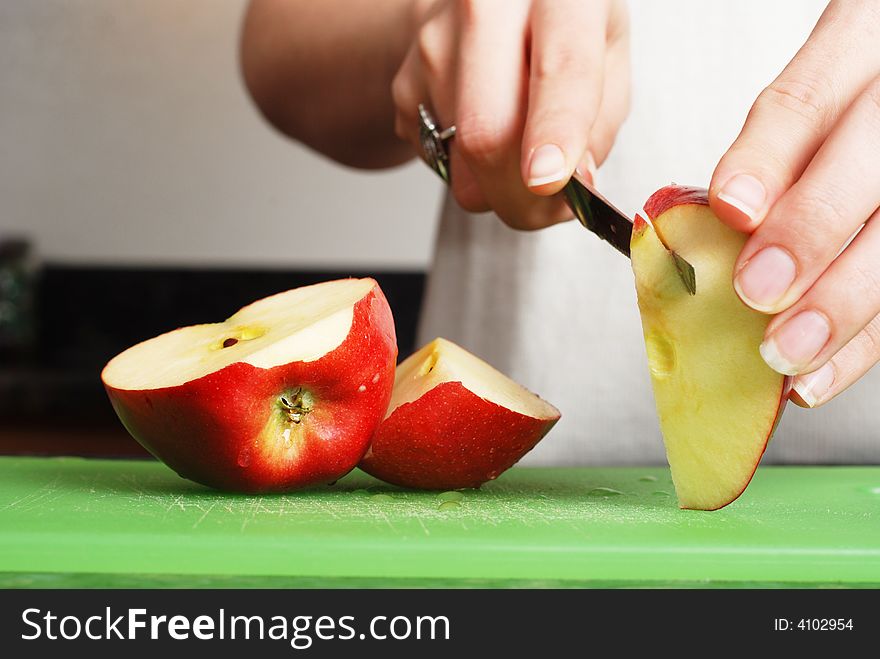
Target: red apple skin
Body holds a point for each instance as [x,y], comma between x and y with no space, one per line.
[210,430]
[674,195]
[680,195]
[450,438]
[639,224]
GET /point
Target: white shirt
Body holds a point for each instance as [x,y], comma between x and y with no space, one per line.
[556,309]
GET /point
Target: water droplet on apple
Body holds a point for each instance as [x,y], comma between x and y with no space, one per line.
[660,493]
[661,353]
[361,491]
[603,492]
[244,457]
[382,497]
[452,495]
[448,505]
[648,479]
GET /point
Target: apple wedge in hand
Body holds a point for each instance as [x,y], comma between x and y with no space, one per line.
[717,399]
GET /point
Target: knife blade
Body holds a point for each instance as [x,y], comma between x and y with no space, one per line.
[598,214]
[601,217]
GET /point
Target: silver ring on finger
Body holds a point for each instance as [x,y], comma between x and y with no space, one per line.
[433,140]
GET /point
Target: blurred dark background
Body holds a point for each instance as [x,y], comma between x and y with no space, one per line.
[60,324]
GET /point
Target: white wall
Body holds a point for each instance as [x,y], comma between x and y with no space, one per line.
[126,136]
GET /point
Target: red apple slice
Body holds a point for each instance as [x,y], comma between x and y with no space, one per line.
[454,422]
[285,394]
[717,400]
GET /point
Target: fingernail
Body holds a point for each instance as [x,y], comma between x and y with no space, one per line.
[813,386]
[587,168]
[547,165]
[745,194]
[794,345]
[766,278]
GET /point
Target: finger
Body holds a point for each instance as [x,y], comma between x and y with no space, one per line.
[407,91]
[426,77]
[490,93]
[838,306]
[792,117]
[846,367]
[437,46]
[566,72]
[813,220]
[615,104]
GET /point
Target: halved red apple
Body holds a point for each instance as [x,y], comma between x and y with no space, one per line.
[717,399]
[454,422]
[284,394]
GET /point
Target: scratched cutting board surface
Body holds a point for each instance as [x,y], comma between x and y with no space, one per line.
[68,521]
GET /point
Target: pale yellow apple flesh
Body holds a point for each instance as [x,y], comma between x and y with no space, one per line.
[717,400]
[443,361]
[302,324]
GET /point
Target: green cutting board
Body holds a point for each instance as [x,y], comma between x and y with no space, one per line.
[78,522]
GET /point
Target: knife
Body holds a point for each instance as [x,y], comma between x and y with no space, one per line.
[601,217]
